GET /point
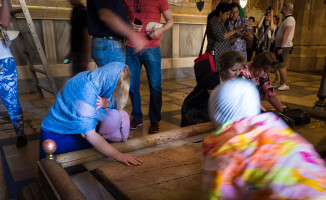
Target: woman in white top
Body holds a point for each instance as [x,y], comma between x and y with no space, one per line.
[8,78]
[266,30]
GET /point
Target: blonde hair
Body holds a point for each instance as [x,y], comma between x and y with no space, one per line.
[121,91]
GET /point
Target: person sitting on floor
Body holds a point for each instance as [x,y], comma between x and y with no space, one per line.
[194,108]
[258,73]
[72,119]
[256,156]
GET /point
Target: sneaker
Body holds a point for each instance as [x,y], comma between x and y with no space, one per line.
[153,128]
[136,123]
[21,141]
[284,87]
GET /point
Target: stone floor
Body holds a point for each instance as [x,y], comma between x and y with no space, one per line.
[20,164]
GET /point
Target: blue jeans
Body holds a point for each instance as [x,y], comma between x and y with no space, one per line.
[8,93]
[151,58]
[106,51]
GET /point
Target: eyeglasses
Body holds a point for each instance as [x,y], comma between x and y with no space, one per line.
[137,6]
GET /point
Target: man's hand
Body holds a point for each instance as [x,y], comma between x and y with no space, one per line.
[139,42]
[136,27]
[155,33]
[128,159]
[279,51]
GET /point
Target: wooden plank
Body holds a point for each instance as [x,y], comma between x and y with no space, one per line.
[173,173]
[87,155]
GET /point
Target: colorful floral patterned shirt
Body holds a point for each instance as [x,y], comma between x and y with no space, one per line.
[263,84]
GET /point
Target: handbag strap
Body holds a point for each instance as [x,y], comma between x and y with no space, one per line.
[202,44]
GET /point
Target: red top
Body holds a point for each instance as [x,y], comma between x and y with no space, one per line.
[150,12]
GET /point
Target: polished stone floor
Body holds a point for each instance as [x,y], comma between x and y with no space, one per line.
[20,164]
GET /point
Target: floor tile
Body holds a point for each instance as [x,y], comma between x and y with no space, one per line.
[143,130]
[301,83]
[170,107]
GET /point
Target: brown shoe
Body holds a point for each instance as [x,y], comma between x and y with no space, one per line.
[136,123]
[154,128]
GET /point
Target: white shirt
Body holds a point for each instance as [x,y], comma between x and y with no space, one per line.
[289,21]
[4,51]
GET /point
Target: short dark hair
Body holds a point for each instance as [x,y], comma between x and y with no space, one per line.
[253,19]
[222,7]
[233,5]
[229,58]
[265,61]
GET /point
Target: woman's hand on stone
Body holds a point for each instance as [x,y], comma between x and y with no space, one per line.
[102,102]
[128,159]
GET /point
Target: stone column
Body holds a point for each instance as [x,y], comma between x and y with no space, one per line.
[309,39]
[175,44]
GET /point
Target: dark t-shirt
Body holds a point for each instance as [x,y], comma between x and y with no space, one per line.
[78,23]
[96,27]
[199,96]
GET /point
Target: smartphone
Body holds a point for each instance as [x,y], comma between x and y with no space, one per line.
[65,61]
[138,21]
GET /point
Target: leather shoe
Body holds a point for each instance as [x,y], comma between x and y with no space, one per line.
[154,128]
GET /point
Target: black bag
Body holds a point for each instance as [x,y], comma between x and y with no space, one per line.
[289,121]
[299,116]
[204,64]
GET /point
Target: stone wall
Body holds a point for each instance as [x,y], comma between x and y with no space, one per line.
[309,41]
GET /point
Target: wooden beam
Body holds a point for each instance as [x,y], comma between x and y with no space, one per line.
[56,182]
[87,155]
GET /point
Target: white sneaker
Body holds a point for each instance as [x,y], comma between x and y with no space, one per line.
[283,87]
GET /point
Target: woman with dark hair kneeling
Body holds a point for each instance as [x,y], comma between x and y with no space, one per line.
[258,73]
[195,106]
[256,156]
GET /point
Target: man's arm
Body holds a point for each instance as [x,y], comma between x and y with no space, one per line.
[157,32]
[116,24]
[5,14]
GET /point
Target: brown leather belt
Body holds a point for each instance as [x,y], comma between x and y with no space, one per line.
[111,38]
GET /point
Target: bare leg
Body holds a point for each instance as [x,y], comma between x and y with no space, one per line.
[283,76]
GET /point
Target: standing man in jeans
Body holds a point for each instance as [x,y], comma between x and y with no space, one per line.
[146,11]
[108,24]
[283,43]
